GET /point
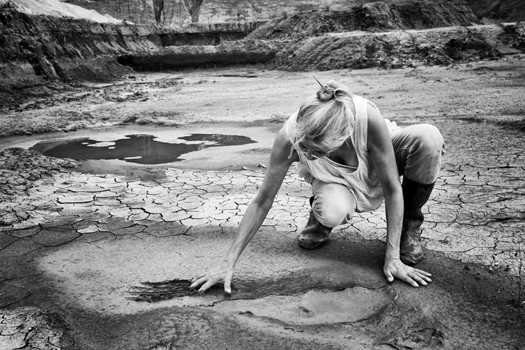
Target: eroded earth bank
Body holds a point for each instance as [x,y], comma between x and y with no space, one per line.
[97,253]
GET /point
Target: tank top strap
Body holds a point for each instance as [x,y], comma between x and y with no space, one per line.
[291,127]
[360,137]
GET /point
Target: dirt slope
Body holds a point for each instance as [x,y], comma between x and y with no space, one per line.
[59,9]
[371,17]
[176,12]
[499,10]
[398,49]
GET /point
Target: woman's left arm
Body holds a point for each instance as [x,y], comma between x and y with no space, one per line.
[383,159]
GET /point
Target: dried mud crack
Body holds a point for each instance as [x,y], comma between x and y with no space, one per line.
[78,238]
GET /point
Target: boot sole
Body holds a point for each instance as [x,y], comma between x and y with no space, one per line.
[311,245]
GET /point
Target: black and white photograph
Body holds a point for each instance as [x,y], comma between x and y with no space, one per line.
[262,175]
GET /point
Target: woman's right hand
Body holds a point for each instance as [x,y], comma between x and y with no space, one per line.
[280,161]
[222,272]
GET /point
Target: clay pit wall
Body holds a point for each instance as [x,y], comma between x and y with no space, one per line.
[220,11]
[373,17]
[355,50]
[39,51]
[408,48]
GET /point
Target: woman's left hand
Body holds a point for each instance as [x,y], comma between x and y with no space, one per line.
[414,277]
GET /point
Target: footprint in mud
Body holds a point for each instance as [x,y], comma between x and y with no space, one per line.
[315,304]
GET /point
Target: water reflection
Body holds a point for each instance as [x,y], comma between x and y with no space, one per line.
[140,149]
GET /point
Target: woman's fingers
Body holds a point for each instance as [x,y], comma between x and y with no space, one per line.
[422,272]
[215,275]
[409,280]
[228,282]
[419,276]
[407,274]
[196,278]
[414,278]
[198,281]
[425,276]
[418,279]
[206,285]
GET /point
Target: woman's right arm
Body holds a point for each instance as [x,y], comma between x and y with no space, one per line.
[252,220]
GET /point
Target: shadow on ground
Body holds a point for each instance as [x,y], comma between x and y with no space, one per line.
[283,297]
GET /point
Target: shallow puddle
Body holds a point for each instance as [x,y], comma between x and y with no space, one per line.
[138,148]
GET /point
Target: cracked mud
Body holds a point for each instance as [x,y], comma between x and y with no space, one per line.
[98,254]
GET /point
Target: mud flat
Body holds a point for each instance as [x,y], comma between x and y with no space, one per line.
[97,254]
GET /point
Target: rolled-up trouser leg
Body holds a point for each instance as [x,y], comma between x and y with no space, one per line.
[418,151]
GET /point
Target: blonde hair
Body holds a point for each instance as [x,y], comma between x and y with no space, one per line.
[326,119]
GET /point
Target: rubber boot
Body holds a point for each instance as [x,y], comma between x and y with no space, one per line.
[415,195]
[314,234]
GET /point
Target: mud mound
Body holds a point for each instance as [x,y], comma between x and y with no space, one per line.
[397,49]
[499,10]
[371,17]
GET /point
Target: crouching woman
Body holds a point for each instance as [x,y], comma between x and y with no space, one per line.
[353,158]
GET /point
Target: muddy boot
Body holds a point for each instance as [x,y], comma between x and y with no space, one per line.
[314,234]
[415,195]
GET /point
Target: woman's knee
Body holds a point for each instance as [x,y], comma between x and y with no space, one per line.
[427,139]
[329,215]
[333,206]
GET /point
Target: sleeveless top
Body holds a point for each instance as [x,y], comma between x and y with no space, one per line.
[361,181]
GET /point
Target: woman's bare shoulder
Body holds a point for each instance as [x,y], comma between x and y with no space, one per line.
[282,146]
[375,119]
